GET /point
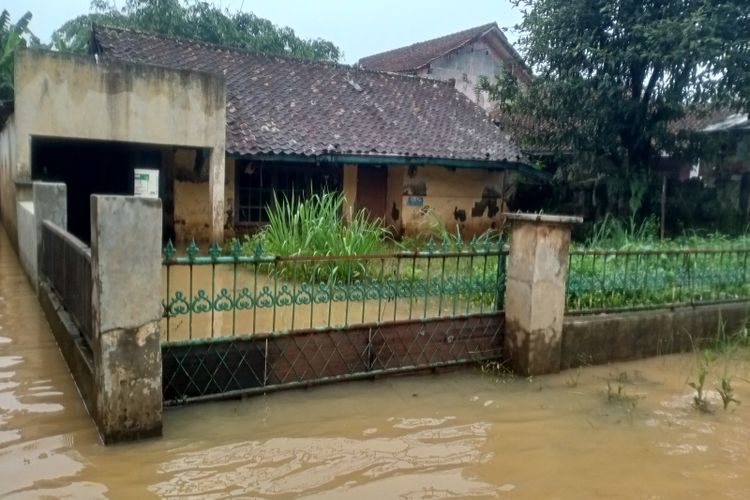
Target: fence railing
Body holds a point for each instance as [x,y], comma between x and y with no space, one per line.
[610,280]
[225,294]
[66,263]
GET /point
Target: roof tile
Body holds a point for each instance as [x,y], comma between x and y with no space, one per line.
[278,104]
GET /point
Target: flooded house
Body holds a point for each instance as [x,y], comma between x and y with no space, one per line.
[217,132]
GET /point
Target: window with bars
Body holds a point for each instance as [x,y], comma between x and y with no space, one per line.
[256,184]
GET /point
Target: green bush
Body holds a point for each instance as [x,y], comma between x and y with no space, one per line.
[315,227]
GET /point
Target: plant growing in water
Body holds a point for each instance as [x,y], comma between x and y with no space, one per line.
[700,402]
[726,391]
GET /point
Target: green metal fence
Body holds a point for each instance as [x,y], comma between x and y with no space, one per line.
[230,293]
[608,280]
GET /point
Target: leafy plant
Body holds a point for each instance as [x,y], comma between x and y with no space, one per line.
[313,227]
[726,391]
[700,402]
[601,275]
[612,76]
[12,36]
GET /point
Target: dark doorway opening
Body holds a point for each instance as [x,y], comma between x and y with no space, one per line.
[372,187]
[99,167]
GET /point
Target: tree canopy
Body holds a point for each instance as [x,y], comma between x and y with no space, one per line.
[194,19]
[614,76]
[12,35]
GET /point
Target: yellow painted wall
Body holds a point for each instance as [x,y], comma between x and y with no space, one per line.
[456,197]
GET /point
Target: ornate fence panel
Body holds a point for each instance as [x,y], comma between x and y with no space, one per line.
[609,280]
[65,261]
[236,324]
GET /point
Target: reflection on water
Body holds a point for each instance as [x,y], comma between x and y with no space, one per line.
[456,435]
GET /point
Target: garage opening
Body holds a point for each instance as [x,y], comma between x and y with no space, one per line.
[103,167]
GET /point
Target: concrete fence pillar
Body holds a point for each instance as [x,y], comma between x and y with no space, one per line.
[126,305]
[217,167]
[50,203]
[535,291]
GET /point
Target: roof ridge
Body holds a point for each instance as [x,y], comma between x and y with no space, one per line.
[244,51]
[477,30]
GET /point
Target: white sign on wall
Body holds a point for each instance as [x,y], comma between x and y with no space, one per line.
[146,183]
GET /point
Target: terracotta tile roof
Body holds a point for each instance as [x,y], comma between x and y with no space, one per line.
[278,105]
[420,54]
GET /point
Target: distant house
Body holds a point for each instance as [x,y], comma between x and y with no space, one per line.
[225,130]
[461,57]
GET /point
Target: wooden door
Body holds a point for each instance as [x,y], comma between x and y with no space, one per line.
[372,185]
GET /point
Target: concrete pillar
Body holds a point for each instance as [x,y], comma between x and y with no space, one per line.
[126,305]
[535,291]
[216,193]
[50,203]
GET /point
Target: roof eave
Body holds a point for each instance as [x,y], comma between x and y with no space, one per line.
[335,158]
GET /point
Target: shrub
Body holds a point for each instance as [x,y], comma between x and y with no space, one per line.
[315,227]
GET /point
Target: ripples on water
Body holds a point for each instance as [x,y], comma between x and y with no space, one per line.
[456,435]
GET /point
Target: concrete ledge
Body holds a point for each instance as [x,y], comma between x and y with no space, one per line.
[76,353]
[543,218]
[603,338]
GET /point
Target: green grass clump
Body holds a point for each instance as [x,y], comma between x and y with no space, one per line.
[314,226]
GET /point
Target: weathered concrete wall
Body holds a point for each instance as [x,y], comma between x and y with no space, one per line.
[604,338]
[127,308]
[27,240]
[535,292]
[466,65]
[50,204]
[471,199]
[229,194]
[192,203]
[77,354]
[8,165]
[68,96]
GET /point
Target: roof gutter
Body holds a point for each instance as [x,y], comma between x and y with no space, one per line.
[322,159]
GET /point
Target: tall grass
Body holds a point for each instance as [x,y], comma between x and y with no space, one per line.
[314,226]
[611,232]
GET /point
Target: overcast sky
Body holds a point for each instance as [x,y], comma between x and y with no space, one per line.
[358,27]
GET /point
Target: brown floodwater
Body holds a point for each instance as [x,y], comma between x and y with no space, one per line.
[461,434]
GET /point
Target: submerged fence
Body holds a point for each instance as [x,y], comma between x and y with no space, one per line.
[65,261]
[607,280]
[234,294]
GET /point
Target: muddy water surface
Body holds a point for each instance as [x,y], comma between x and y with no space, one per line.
[454,435]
